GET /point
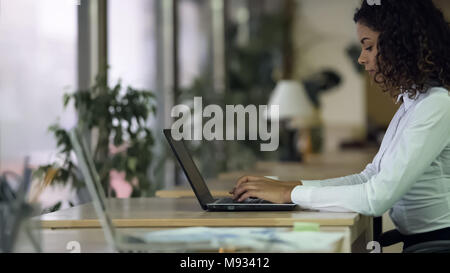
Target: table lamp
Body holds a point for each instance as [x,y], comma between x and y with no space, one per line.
[293,103]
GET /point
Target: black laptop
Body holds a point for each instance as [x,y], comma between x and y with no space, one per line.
[207,202]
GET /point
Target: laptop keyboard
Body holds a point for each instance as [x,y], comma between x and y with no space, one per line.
[229,200]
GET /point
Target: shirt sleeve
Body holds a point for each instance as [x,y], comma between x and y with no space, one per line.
[352,179]
[422,140]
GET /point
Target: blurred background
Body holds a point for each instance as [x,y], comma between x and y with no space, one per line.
[257,52]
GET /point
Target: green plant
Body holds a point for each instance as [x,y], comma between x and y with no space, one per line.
[112,118]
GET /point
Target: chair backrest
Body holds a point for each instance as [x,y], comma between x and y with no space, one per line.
[441,246]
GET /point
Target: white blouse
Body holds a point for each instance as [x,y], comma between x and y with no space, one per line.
[410,174]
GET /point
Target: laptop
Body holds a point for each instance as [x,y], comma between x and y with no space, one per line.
[119,241]
[198,184]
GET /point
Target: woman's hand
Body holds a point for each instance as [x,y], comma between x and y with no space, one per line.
[268,189]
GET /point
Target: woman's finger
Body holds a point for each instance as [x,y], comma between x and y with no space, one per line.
[247,194]
[244,188]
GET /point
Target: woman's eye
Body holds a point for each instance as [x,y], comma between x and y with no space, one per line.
[369,48]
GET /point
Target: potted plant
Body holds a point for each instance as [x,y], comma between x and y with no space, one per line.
[116,121]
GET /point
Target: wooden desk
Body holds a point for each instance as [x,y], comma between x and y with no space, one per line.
[186,212]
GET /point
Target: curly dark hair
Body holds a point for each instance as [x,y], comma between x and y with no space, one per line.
[413,45]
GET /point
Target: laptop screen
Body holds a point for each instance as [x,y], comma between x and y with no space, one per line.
[92,180]
[190,170]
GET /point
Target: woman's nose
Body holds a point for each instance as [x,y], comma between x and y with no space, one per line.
[362,59]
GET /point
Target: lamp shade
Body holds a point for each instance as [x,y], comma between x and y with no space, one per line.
[292,100]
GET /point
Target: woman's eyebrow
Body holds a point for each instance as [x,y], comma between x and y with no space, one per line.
[364,39]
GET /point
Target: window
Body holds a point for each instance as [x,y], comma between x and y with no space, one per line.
[38,56]
[193,44]
[131,56]
[131,43]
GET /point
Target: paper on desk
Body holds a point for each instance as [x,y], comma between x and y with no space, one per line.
[253,239]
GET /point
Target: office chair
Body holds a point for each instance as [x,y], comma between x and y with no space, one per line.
[441,246]
[392,237]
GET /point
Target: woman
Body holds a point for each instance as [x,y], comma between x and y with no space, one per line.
[406,50]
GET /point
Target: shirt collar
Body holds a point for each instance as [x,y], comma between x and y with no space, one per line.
[407,102]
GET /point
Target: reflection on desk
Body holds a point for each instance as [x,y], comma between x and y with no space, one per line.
[92,240]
